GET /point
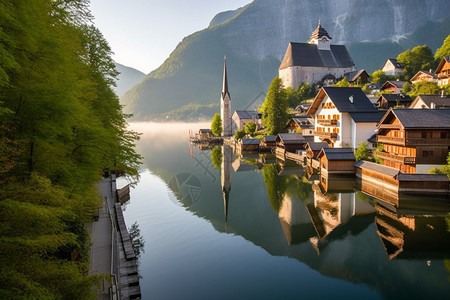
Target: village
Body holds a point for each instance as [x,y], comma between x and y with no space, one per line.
[386,139]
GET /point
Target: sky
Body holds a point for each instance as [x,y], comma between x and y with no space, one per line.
[143,33]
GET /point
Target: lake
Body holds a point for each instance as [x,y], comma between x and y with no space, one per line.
[217,226]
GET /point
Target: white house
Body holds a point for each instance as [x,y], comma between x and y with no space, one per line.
[241,117]
[392,67]
[344,117]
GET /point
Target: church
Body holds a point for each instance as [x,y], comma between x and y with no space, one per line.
[315,62]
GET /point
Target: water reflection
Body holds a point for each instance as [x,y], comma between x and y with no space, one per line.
[336,226]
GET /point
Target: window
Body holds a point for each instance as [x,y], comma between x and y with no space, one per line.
[424,135]
[427,153]
[443,135]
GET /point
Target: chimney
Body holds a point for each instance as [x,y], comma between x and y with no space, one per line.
[443,93]
[432,105]
[431,70]
[398,79]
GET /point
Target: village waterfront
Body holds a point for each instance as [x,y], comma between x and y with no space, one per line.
[257,228]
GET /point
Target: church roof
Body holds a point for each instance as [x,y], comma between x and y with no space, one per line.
[225,79]
[309,55]
[318,33]
[248,114]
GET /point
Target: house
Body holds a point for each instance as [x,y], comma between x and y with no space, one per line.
[431,102]
[302,108]
[336,161]
[392,67]
[290,142]
[268,141]
[315,61]
[344,116]
[414,140]
[302,124]
[241,117]
[443,71]
[248,145]
[424,76]
[205,133]
[357,77]
[395,87]
[313,149]
[386,101]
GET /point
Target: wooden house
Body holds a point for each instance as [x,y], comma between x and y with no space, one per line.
[344,116]
[268,141]
[313,149]
[395,87]
[301,124]
[290,142]
[414,140]
[241,117]
[443,71]
[337,161]
[248,145]
[386,101]
[302,108]
[431,102]
[205,133]
[424,76]
[356,77]
[392,67]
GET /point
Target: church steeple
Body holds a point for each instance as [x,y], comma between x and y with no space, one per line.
[225,103]
[320,37]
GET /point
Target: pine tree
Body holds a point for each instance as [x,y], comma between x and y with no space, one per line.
[274,108]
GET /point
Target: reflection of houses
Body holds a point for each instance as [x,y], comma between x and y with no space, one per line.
[302,124]
[241,117]
[337,161]
[394,87]
[390,100]
[240,165]
[344,116]
[443,71]
[412,235]
[431,102]
[392,67]
[334,183]
[414,140]
[315,61]
[424,76]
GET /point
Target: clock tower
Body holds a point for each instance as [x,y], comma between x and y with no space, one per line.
[321,38]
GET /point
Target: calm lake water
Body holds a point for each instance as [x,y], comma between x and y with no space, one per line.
[255,228]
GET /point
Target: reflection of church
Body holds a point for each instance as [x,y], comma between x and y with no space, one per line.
[225,177]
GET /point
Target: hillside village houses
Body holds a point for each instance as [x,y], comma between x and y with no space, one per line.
[443,71]
[392,67]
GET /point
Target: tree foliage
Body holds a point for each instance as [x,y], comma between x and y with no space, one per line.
[300,93]
[362,152]
[343,83]
[274,108]
[239,134]
[444,50]
[250,128]
[60,125]
[216,125]
[378,77]
[444,169]
[424,88]
[419,58]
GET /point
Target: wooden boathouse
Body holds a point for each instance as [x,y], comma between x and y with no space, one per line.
[337,161]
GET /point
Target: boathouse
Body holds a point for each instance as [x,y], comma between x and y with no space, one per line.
[290,142]
[337,161]
[313,149]
[248,145]
[268,141]
[205,133]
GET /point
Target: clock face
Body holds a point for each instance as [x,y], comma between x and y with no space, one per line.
[324,39]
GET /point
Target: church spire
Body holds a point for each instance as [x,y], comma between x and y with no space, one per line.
[225,79]
[225,103]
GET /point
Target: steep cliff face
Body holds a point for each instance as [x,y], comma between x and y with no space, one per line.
[254,39]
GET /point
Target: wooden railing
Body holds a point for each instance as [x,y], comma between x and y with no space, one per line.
[327,122]
[407,160]
[391,140]
[427,141]
[330,135]
[390,126]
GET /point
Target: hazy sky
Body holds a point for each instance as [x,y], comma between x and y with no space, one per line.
[142,33]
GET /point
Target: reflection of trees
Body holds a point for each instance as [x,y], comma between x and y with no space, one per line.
[137,240]
[216,157]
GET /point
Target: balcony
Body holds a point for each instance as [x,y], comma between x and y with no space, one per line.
[406,160]
[323,135]
[412,141]
[390,126]
[391,140]
[327,122]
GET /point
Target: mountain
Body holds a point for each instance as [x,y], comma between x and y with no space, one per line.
[254,38]
[127,78]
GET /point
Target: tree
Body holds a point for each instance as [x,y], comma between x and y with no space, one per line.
[343,83]
[424,88]
[250,128]
[444,50]
[419,58]
[301,92]
[362,152]
[216,125]
[274,108]
[406,87]
[239,134]
[444,169]
[378,77]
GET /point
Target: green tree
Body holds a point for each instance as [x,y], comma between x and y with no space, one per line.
[239,134]
[274,108]
[419,58]
[444,50]
[378,77]
[406,87]
[362,152]
[424,88]
[298,94]
[250,128]
[216,157]
[216,125]
[444,169]
[343,83]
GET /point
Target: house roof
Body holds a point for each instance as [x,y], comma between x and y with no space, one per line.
[367,117]
[337,154]
[205,130]
[373,138]
[397,83]
[389,171]
[396,97]
[316,146]
[302,121]
[394,62]
[318,33]
[422,72]
[439,101]
[421,177]
[309,55]
[341,99]
[354,75]
[420,118]
[291,138]
[442,63]
[248,114]
[269,138]
[249,141]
